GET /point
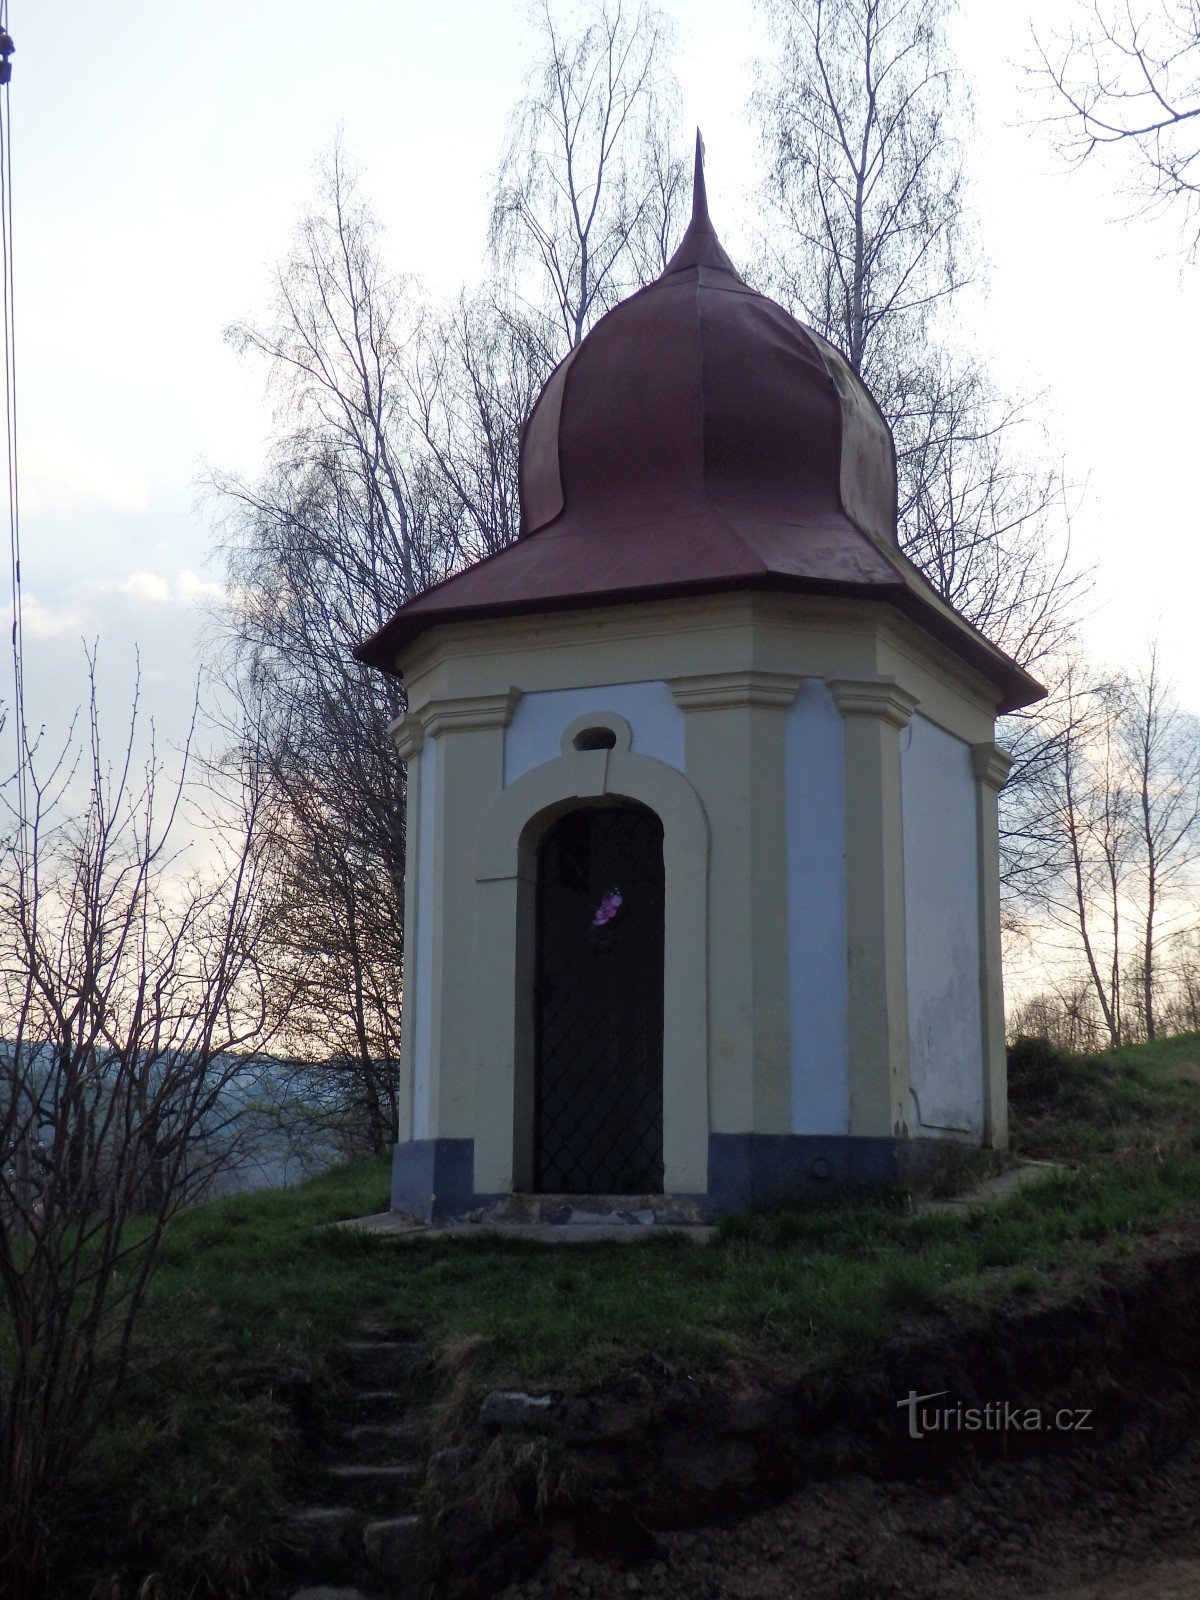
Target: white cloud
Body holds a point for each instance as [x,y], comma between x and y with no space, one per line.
[145,586]
[61,473]
[192,590]
[85,609]
[45,622]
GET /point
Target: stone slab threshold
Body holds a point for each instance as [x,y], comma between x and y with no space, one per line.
[558,1219]
[586,1219]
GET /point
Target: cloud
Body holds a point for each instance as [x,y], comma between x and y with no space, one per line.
[62,473]
[44,622]
[193,590]
[144,586]
[86,609]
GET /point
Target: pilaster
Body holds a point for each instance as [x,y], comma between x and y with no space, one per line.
[991,766]
[409,738]
[463,739]
[874,711]
[735,759]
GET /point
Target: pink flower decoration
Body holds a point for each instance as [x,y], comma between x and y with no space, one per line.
[610,904]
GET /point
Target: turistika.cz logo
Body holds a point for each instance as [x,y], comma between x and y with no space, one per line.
[998,1416]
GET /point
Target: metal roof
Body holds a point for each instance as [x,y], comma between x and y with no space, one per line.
[700,439]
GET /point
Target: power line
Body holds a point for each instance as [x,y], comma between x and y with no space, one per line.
[7,49]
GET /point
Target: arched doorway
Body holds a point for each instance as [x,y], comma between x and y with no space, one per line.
[599,1003]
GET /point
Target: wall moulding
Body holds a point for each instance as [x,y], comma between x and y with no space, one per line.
[719,691]
[468,712]
[407,735]
[874,697]
[991,765]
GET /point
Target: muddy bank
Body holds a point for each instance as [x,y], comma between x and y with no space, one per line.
[1074,1402]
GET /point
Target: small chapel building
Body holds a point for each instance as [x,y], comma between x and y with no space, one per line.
[702,882]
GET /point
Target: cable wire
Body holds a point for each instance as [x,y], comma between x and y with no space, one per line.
[7,295]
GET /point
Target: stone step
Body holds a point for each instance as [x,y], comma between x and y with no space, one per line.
[324,1592]
[377,1486]
[326,1534]
[375,1404]
[391,1545]
[385,1441]
[385,1363]
[632,1210]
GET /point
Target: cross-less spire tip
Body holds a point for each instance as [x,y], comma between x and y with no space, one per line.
[699,194]
[700,246]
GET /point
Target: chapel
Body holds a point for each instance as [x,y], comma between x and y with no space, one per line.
[702,878]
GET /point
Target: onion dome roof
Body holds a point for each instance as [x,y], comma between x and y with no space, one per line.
[699,438]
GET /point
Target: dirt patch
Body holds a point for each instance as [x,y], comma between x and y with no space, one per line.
[763,1485]
[1005,1530]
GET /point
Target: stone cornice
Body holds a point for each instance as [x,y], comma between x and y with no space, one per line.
[407,735]
[468,712]
[671,618]
[719,691]
[991,764]
[873,697]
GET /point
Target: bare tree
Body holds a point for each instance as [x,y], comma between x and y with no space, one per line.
[982,510]
[860,110]
[858,113]
[300,569]
[1162,747]
[1089,802]
[1181,1012]
[1121,795]
[1066,1014]
[132,1005]
[478,371]
[395,464]
[335,344]
[589,195]
[1126,78]
[349,520]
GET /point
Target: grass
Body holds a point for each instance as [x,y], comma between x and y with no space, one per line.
[1127,1104]
[252,1288]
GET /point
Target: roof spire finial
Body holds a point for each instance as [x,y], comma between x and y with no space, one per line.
[700,246]
[699,193]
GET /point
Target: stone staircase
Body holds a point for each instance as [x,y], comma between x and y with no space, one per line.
[358,1539]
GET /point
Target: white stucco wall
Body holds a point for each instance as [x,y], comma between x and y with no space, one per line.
[535,733]
[421,1009]
[941,906]
[816,898]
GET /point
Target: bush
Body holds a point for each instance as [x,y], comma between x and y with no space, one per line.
[1036,1069]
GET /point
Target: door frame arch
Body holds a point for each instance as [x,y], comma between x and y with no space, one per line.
[505,878]
[565,1089]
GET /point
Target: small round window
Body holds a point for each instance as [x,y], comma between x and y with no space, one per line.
[595,739]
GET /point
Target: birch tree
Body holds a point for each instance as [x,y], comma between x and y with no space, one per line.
[394,464]
[1162,749]
[1122,795]
[870,239]
[1123,83]
[592,187]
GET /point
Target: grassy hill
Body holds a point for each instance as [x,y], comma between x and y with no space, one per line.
[255,1295]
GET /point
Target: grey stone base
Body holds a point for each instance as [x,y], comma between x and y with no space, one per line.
[746,1170]
[433,1180]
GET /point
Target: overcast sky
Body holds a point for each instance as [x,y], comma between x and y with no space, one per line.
[162,150]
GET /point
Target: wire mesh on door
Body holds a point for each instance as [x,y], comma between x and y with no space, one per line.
[599,1003]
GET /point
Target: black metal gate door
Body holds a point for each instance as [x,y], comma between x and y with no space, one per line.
[599,1003]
